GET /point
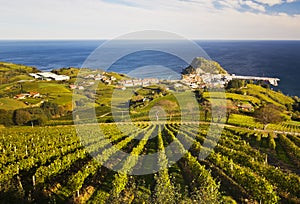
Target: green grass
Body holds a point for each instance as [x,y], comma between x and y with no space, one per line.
[268,95]
[10,72]
[255,95]
[232,96]
[4,88]
[118,76]
[65,98]
[244,121]
[46,88]
[72,72]
[157,100]
[6,66]
[61,99]
[21,77]
[11,104]
[32,100]
[176,106]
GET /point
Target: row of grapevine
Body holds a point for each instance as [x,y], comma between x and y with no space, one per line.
[241,152]
[295,139]
[108,152]
[164,189]
[290,127]
[286,183]
[121,177]
[203,186]
[111,134]
[56,164]
[258,187]
[292,150]
[76,181]
[244,121]
[15,150]
[30,159]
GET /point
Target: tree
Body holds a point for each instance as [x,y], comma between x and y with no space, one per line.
[6,117]
[206,108]
[50,108]
[220,113]
[235,84]
[21,117]
[137,98]
[268,113]
[296,109]
[199,95]
[170,107]
[231,109]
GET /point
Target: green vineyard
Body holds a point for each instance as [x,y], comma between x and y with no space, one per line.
[290,126]
[53,165]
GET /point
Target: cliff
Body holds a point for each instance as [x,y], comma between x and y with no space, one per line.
[201,65]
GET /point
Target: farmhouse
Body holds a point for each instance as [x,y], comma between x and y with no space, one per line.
[34,94]
[30,94]
[73,86]
[21,96]
[246,107]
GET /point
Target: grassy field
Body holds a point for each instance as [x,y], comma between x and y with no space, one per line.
[45,88]
[11,104]
[10,72]
[10,67]
[233,96]
[268,95]
[244,121]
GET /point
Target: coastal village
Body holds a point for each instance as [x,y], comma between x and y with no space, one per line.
[220,80]
[194,79]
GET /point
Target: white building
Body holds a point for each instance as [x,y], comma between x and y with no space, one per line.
[49,76]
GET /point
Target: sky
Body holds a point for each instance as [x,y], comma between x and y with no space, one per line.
[108,19]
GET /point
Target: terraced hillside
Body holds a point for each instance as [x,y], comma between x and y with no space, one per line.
[250,161]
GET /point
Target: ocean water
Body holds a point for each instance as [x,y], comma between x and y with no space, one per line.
[256,58]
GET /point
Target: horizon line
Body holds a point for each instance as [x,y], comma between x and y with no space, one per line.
[194,39]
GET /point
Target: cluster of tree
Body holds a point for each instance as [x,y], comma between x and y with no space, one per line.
[31,116]
[269,113]
[6,117]
[236,84]
[296,109]
[143,96]
[27,116]
[72,72]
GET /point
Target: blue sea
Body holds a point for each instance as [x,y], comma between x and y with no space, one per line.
[257,58]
